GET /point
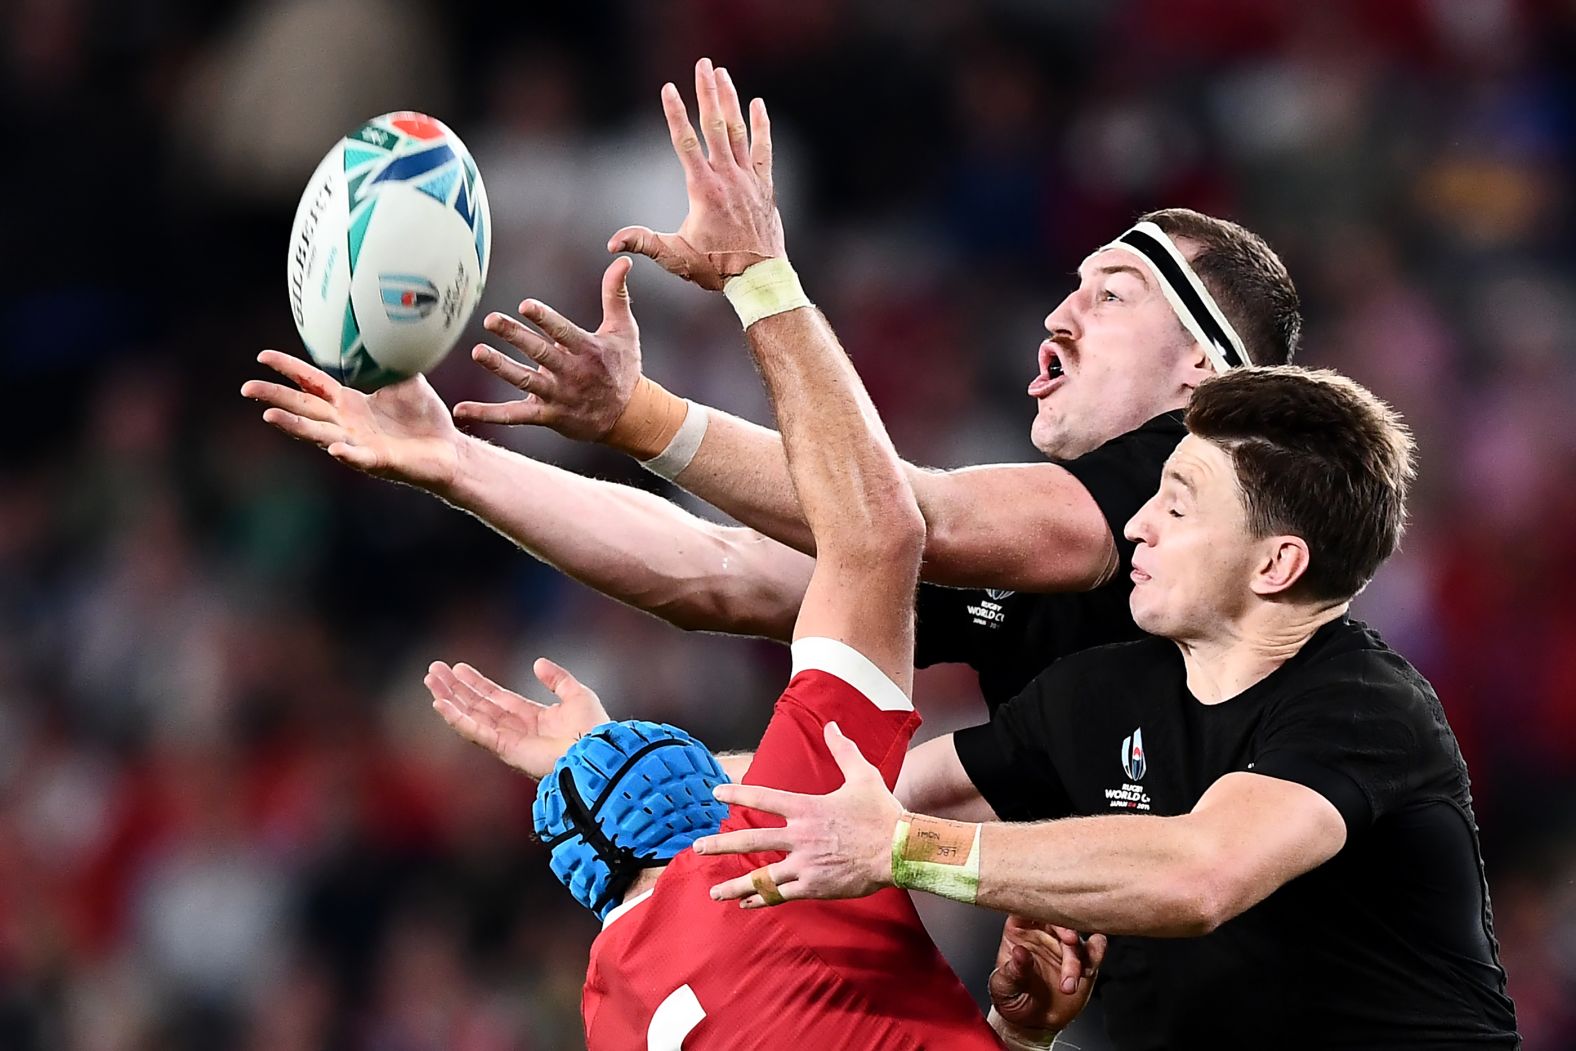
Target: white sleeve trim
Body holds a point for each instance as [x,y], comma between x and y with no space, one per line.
[854,668]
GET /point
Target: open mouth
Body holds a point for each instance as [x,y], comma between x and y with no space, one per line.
[1052,372]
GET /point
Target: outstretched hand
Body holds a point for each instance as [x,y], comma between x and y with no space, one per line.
[530,737]
[733,220]
[581,381]
[403,431]
[1044,973]
[839,845]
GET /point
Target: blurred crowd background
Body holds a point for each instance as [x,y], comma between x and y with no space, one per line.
[228,816]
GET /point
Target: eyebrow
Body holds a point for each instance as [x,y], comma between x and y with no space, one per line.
[1182,480]
[1117,268]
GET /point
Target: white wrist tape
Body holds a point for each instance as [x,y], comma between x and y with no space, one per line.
[766,288]
[1019,1039]
[671,461]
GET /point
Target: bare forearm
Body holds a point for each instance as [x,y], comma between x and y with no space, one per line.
[634,546]
[1122,875]
[1025,526]
[740,468]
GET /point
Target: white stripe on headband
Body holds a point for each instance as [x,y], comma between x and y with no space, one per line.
[1186,293]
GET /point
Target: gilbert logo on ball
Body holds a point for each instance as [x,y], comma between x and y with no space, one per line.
[389,250]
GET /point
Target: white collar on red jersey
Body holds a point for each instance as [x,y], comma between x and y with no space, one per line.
[621,909]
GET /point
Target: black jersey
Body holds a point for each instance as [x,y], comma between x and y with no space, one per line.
[1388,944]
[1010,637]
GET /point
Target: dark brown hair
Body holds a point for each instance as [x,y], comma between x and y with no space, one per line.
[1246,278]
[1317,456]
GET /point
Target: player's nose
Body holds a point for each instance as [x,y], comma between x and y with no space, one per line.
[1063,322]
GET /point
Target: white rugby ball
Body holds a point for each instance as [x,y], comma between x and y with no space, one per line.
[389,250]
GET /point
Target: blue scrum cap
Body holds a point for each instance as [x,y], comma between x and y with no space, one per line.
[625,797]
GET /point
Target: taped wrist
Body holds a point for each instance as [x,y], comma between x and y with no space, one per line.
[649,422]
[763,289]
[677,454]
[937,856]
[1019,1038]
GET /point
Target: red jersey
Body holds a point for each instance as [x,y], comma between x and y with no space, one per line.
[674,969]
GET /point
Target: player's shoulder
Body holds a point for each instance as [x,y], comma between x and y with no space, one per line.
[1347,656]
[1349,674]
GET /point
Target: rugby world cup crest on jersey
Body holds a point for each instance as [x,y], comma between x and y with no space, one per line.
[1133,762]
[407,297]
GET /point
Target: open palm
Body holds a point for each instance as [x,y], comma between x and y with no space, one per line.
[530,737]
[403,431]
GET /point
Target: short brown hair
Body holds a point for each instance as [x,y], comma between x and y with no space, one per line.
[1317,456]
[1247,279]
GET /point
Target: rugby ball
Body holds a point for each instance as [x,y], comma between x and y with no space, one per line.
[389,250]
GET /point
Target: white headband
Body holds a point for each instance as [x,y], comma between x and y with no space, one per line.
[1186,294]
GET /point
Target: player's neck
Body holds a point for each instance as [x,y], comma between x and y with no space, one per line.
[643,882]
[1221,666]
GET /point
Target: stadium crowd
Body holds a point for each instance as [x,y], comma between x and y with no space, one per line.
[228,818]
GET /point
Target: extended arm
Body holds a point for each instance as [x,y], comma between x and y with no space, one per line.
[636,547]
[1031,527]
[624,542]
[1122,874]
[1162,876]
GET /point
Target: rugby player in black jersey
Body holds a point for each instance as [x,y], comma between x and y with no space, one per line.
[1265,807]
[1123,352]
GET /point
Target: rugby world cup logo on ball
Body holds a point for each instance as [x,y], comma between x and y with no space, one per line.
[389,250]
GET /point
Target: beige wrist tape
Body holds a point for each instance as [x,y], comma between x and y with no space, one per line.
[649,422]
[1018,1038]
[677,454]
[938,856]
[765,288]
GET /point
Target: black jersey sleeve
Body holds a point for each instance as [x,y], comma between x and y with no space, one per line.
[1124,473]
[1355,745]
[1011,759]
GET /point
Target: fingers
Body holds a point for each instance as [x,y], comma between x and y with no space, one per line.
[744,841]
[850,760]
[1016,967]
[1071,970]
[617,313]
[358,456]
[544,352]
[662,249]
[742,888]
[761,143]
[564,686]
[756,797]
[314,431]
[537,381]
[1095,948]
[544,317]
[733,119]
[708,109]
[462,723]
[290,399]
[685,142]
[528,410]
[483,687]
[303,374]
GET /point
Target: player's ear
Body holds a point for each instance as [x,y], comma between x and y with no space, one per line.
[1283,561]
[1197,367]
